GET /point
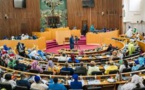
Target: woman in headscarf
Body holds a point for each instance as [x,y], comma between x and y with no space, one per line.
[35,66]
[136,82]
[131,48]
[92,29]
[49,66]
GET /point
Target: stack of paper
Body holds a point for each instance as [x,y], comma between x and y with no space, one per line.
[92,82]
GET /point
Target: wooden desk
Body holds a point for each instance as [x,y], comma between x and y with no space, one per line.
[100,38]
[58,34]
[40,42]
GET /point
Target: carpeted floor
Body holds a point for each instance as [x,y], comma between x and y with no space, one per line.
[82,47]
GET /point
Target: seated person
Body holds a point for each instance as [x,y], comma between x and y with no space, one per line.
[34,54]
[19,66]
[114,55]
[92,29]
[135,67]
[38,85]
[66,68]
[111,67]
[76,84]
[5,38]
[56,85]
[123,66]
[141,60]
[41,54]
[81,69]
[62,58]
[92,68]
[6,48]
[131,48]
[34,37]
[50,66]
[110,47]
[11,63]
[35,66]
[8,80]
[73,59]
[106,65]
[23,82]
[135,82]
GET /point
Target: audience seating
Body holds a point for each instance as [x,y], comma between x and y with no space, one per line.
[97,73]
[126,70]
[34,71]
[48,72]
[94,88]
[5,86]
[65,73]
[139,88]
[141,68]
[113,72]
[20,88]
[80,73]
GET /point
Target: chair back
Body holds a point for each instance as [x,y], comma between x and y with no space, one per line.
[113,72]
[94,88]
[65,72]
[141,68]
[20,88]
[80,73]
[139,88]
[5,86]
[34,71]
[126,70]
[48,72]
[97,73]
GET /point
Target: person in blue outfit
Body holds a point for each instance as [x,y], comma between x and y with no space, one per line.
[23,82]
[71,40]
[92,29]
[76,84]
[67,68]
[6,48]
[41,54]
[56,85]
[135,67]
[141,60]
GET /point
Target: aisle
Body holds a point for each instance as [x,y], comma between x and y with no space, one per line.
[82,47]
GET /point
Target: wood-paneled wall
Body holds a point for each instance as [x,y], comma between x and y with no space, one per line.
[112,17]
[19,20]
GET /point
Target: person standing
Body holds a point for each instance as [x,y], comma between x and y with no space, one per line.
[129,33]
[71,40]
[84,29]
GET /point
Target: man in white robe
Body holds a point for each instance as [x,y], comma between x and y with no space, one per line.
[129,33]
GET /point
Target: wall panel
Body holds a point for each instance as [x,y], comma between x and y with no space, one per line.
[19,20]
[111,19]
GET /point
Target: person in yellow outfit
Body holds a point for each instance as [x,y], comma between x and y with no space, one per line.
[131,48]
[111,67]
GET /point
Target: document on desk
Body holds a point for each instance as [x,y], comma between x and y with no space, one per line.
[69,81]
[92,82]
